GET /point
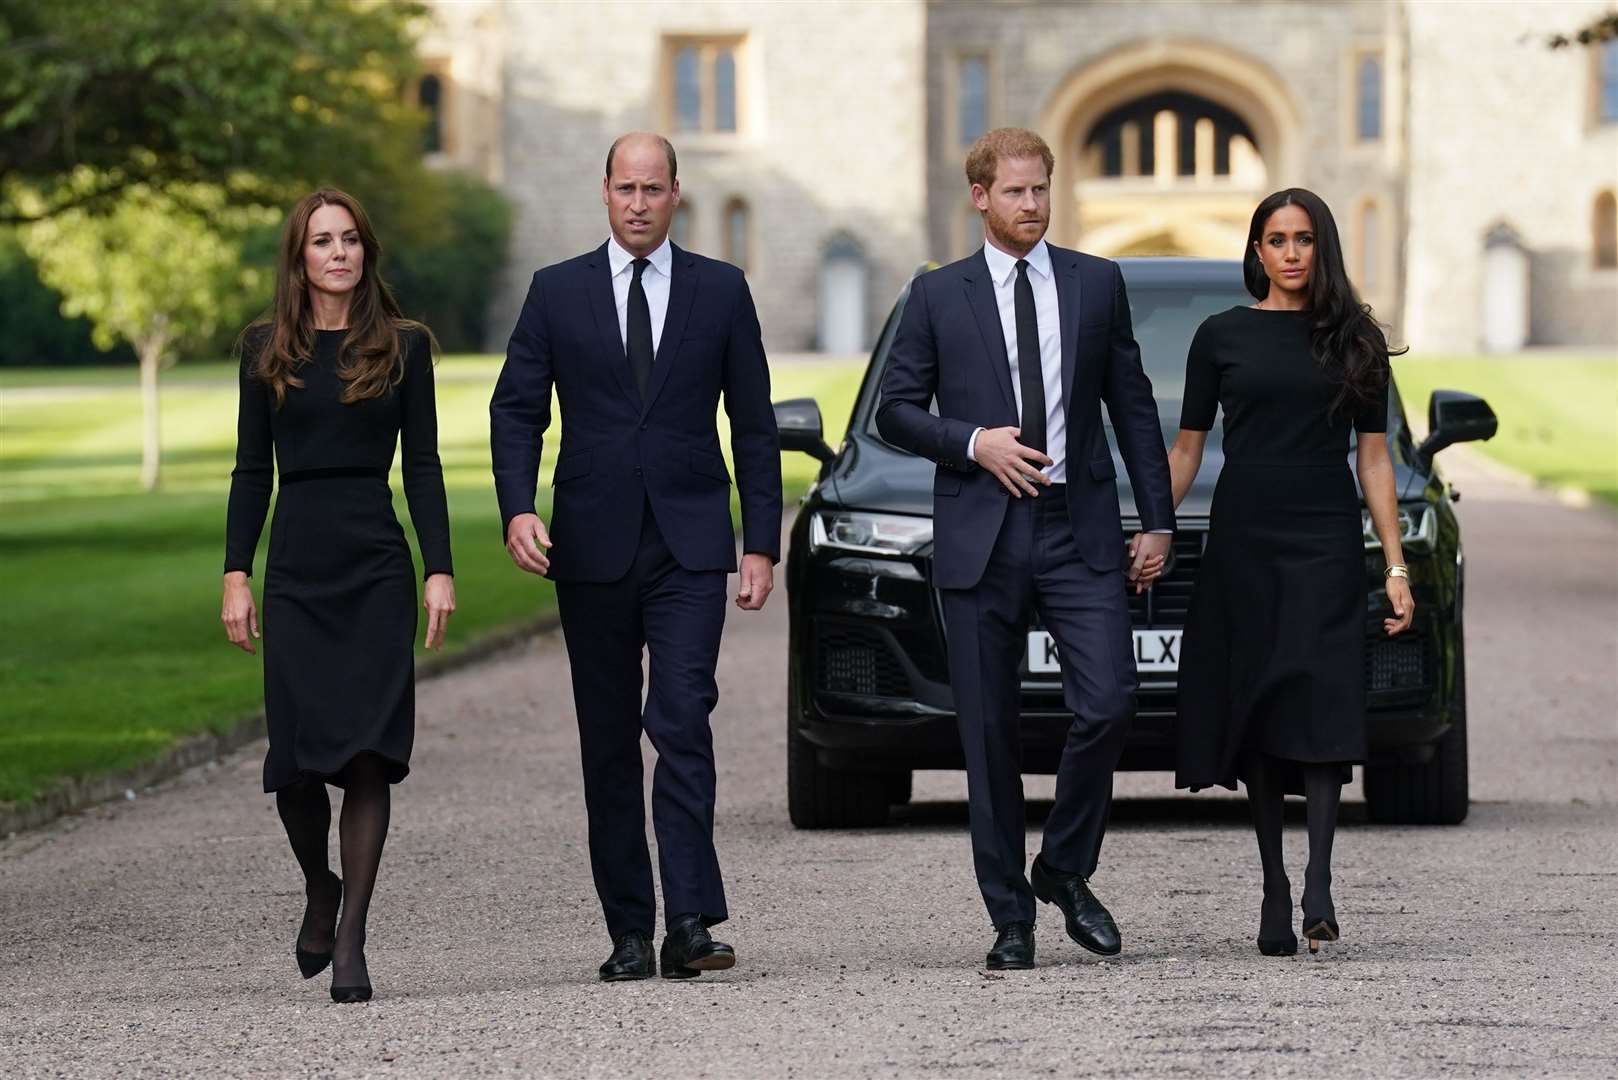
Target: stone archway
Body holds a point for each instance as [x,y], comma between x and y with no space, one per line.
[1198,213]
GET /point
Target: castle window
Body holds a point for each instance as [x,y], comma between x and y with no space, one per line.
[737,238]
[702,84]
[681,225]
[1605,223]
[1368,98]
[430,96]
[971,98]
[1607,90]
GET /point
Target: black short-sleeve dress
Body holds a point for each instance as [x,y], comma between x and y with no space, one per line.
[339,611]
[1273,654]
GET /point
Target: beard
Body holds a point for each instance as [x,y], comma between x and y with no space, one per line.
[1012,236]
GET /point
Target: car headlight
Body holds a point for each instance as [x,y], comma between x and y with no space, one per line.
[1418,524]
[870,534]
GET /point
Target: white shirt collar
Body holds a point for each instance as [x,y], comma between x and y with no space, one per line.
[1003,267]
[618,258]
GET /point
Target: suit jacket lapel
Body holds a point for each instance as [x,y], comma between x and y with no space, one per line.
[980,295]
[682,292]
[1069,297]
[605,309]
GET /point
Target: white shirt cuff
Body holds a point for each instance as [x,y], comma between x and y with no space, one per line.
[972,446]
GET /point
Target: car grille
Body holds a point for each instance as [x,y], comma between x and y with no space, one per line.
[858,661]
[1165,603]
[1394,664]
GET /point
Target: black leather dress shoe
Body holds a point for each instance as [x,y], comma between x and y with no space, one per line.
[1013,948]
[631,959]
[1088,923]
[689,950]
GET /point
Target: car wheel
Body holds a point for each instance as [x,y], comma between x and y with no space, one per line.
[1435,792]
[823,798]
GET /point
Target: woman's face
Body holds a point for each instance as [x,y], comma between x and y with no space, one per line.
[333,257]
[1286,248]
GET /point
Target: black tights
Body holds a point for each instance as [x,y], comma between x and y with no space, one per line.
[1266,792]
[306,813]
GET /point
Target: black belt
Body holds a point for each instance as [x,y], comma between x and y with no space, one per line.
[338,472]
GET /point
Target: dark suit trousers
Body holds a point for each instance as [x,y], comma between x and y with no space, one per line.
[1035,566]
[677,616]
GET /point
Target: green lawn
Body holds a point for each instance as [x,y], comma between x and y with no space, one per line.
[113,649]
[1558,414]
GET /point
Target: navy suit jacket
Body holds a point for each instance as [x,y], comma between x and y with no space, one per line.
[950,344]
[619,451]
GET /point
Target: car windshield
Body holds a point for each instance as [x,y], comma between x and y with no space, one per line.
[1164,316]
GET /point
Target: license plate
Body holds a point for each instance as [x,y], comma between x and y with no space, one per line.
[1155,650]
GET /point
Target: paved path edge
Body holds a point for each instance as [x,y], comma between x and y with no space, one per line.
[71,795]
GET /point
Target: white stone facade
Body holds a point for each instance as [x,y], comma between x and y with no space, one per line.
[848,160]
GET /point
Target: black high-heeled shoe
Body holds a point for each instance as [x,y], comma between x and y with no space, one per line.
[1275,936]
[1319,915]
[345,995]
[353,992]
[311,964]
[1319,930]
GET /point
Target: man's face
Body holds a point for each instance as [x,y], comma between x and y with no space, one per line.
[640,196]
[1017,206]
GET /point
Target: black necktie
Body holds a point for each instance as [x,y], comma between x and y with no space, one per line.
[1029,373]
[639,320]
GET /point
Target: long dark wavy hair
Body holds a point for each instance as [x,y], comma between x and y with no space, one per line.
[371,359]
[1348,342]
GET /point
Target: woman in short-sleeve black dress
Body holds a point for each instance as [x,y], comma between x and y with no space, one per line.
[329,386]
[1271,683]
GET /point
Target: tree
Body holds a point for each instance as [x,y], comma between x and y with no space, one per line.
[261,97]
[159,270]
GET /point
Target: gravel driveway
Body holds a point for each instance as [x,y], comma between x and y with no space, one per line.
[153,938]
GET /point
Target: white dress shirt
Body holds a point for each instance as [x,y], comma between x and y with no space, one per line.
[1003,272]
[654,280]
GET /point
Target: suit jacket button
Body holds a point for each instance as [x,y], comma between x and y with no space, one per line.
[637,470]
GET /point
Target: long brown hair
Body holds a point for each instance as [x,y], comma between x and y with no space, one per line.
[1347,341]
[371,358]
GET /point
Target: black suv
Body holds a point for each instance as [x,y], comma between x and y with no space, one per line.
[868,697]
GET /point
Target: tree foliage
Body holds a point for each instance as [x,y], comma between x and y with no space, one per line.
[158,269]
[259,97]
[1594,33]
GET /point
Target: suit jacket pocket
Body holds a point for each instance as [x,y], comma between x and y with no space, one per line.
[709,464]
[946,485]
[1103,470]
[571,467]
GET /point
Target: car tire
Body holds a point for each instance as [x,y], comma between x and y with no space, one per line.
[819,797]
[1435,792]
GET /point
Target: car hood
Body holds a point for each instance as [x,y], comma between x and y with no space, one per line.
[873,475]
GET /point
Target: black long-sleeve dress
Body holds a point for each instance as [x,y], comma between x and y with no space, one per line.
[1273,656]
[339,612]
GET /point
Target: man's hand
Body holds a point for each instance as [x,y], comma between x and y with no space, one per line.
[526,540]
[758,579]
[1148,552]
[1013,464]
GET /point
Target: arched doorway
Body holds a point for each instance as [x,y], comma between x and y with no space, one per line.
[1164,148]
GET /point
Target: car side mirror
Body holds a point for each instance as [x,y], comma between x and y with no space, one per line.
[1454,417]
[798,421]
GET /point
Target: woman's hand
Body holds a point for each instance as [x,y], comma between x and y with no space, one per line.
[1143,573]
[238,612]
[1404,607]
[440,605]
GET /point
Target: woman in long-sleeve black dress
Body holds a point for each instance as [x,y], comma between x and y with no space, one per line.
[331,381]
[1272,666]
